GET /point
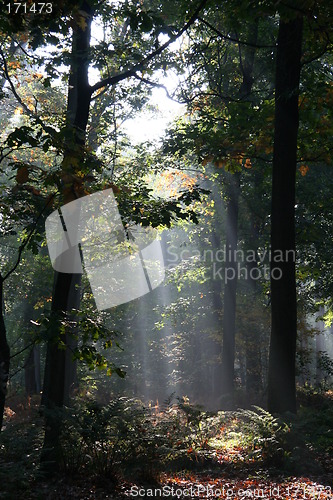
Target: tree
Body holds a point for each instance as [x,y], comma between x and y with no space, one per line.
[281,378]
[230,92]
[66,294]
[247,57]
[5,354]
[70,142]
[283,296]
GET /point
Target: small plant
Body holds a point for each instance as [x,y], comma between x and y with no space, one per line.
[263,434]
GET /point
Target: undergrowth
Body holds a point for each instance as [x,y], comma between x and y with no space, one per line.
[127,440]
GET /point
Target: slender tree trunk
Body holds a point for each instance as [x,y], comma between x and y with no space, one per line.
[253,345]
[37,368]
[29,373]
[253,359]
[32,362]
[4,357]
[281,375]
[217,306]
[230,289]
[320,348]
[66,292]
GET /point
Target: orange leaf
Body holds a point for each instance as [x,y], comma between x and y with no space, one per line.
[303,169]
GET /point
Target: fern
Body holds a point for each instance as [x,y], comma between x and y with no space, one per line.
[264,434]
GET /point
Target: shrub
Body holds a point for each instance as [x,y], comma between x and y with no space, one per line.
[127,436]
[265,435]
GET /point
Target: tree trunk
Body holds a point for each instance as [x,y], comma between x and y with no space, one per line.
[32,362]
[229,298]
[4,357]
[253,365]
[230,288]
[253,345]
[29,373]
[70,363]
[281,375]
[66,292]
[64,297]
[37,368]
[320,349]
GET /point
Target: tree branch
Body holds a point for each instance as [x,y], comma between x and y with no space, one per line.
[319,55]
[26,241]
[40,122]
[20,352]
[157,85]
[113,80]
[235,40]
[20,46]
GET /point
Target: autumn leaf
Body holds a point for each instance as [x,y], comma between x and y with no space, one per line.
[13,64]
[304,170]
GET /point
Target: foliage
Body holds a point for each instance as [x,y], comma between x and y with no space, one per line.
[126,435]
[265,434]
[20,444]
[126,443]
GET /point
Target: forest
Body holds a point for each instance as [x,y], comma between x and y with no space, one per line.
[166,250]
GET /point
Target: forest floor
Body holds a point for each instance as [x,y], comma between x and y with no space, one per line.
[223,467]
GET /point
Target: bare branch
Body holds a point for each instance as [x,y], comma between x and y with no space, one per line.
[20,46]
[157,85]
[20,352]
